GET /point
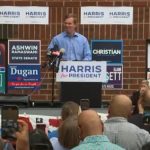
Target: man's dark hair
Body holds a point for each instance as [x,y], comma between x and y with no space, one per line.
[70,15]
[39,140]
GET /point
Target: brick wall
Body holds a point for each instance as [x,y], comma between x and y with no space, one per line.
[134,37]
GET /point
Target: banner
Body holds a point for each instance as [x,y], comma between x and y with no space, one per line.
[23,76]
[24,15]
[3,56]
[81,71]
[2,80]
[106,15]
[115,77]
[107,50]
[24,51]
[24,58]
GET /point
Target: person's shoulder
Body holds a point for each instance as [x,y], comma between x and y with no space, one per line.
[136,130]
[80,35]
[60,35]
[53,134]
[114,147]
[79,147]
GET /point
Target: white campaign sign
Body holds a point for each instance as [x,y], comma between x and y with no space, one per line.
[106,15]
[82,71]
[24,15]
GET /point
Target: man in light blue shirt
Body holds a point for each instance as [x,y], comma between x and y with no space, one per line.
[91,133]
[75,45]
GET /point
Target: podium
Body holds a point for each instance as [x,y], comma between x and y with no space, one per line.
[82,90]
[81,80]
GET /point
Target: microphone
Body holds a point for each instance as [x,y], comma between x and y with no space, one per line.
[53,51]
[58,58]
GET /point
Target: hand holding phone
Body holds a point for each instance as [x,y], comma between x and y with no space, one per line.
[85,104]
[9,124]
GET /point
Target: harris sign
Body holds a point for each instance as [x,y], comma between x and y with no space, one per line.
[82,71]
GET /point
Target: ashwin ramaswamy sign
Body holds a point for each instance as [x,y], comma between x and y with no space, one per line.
[24,58]
[24,51]
[107,50]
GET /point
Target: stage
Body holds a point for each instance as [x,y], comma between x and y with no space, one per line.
[48,111]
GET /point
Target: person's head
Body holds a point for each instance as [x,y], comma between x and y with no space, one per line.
[89,124]
[69,132]
[39,140]
[146,100]
[69,108]
[70,23]
[120,106]
[144,85]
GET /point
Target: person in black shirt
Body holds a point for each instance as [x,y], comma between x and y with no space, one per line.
[138,95]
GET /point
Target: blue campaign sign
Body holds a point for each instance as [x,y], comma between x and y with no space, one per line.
[24,51]
[114,76]
[24,76]
[107,50]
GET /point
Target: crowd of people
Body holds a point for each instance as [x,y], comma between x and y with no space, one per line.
[127,126]
[84,129]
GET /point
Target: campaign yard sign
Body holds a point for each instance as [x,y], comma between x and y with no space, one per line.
[24,51]
[112,52]
[24,15]
[114,77]
[2,80]
[81,71]
[106,15]
[24,58]
[107,50]
[3,54]
[23,77]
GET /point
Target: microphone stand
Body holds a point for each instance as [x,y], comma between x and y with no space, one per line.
[52,65]
[53,84]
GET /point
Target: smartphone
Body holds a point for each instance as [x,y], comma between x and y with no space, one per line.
[85,104]
[146,117]
[41,127]
[9,124]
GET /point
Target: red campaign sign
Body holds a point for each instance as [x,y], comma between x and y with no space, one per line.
[2,54]
[24,83]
